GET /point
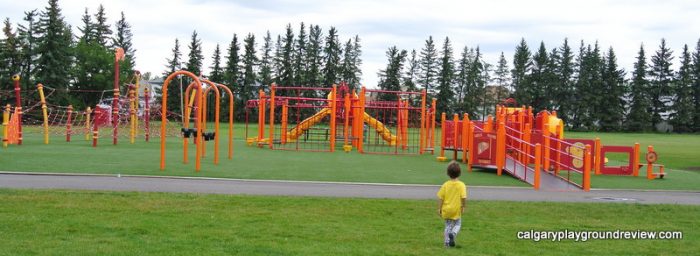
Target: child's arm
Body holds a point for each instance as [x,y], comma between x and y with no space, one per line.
[439,208]
[464,204]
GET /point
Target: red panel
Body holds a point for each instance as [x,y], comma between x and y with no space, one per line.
[617,170]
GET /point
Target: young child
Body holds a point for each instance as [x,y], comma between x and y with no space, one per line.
[451,202]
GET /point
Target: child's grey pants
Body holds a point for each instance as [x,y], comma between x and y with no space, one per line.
[452,226]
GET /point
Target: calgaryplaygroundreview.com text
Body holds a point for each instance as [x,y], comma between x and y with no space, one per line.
[583,236]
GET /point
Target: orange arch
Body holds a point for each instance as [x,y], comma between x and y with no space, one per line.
[164,109]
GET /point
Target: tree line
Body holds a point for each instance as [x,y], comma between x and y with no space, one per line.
[44,48]
[588,90]
[309,58]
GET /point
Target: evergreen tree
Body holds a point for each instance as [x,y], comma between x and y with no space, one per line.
[409,80]
[563,99]
[12,56]
[502,78]
[577,99]
[87,30]
[102,31]
[300,69]
[521,68]
[278,65]
[639,117]
[474,100]
[29,41]
[354,80]
[217,72]
[332,54]
[537,79]
[346,68]
[195,57]
[250,80]
[592,89]
[287,72]
[93,69]
[445,95]
[314,59]
[55,43]
[552,80]
[463,68]
[661,79]
[174,92]
[611,111]
[390,78]
[683,105]
[428,66]
[266,61]
[122,39]
[696,87]
[231,71]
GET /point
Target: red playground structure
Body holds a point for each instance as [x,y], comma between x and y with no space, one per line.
[322,119]
[533,149]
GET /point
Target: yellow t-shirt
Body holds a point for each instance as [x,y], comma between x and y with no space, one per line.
[451,194]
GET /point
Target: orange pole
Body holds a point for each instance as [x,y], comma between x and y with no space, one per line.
[488,127]
[465,136]
[597,157]
[650,165]
[164,108]
[545,139]
[283,136]
[432,128]
[360,142]
[635,159]
[500,147]
[213,86]
[346,113]
[526,146]
[455,135]
[443,118]
[272,116]
[333,117]
[423,124]
[587,169]
[189,105]
[472,148]
[230,118]
[538,165]
[69,123]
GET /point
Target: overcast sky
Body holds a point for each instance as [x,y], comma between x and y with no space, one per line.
[495,26]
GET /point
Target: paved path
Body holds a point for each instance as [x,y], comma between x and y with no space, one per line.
[328,189]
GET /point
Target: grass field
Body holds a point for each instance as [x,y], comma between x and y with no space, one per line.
[110,223]
[676,151]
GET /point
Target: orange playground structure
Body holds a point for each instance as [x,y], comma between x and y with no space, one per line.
[321,119]
[533,149]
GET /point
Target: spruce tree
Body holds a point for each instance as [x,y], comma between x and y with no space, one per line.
[278,65]
[231,71]
[174,63]
[409,80]
[502,78]
[661,76]
[683,106]
[102,31]
[88,31]
[563,98]
[354,80]
[55,43]
[521,68]
[463,68]
[287,72]
[195,57]
[639,117]
[611,110]
[696,87]
[474,101]
[331,57]
[122,39]
[428,66]
[390,77]
[300,69]
[217,72]
[266,61]
[346,68]
[12,55]
[250,80]
[577,100]
[29,42]
[537,79]
[93,69]
[314,59]
[445,79]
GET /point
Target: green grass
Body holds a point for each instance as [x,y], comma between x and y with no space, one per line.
[116,223]
[676,151]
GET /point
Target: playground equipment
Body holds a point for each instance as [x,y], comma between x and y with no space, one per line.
[196,104]
[372,121]
[533,149]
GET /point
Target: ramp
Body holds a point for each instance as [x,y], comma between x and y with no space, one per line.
[548,181]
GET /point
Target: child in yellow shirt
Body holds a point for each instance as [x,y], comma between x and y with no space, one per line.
[452,199]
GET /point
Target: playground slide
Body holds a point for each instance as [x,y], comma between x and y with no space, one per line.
[302,127]
[380,128]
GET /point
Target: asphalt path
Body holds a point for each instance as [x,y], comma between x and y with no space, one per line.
[329,189]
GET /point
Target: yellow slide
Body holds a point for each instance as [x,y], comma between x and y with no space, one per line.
[302,127]
[380,128]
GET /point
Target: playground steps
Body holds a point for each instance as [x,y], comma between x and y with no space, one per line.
[548,181]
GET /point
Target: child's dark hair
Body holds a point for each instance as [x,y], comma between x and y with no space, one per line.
[453,170]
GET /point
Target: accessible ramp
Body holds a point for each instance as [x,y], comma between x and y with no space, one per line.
[548,180]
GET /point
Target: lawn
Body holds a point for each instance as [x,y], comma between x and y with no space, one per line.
[141,158]
[126,223]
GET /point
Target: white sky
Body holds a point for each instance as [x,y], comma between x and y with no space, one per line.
[493,25]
